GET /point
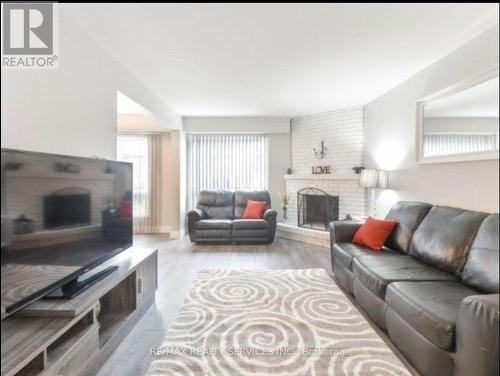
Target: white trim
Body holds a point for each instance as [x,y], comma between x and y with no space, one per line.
[461,133]
[131,132]
[481,77]
[467,157]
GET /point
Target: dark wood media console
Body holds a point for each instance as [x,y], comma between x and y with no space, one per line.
[75,337]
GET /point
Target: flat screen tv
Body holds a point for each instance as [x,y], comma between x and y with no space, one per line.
[62,217]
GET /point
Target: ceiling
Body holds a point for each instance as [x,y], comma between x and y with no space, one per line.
[277,59]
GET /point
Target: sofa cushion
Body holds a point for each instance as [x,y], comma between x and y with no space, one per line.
[429,307]
[214,224]
[344,253]
[250,224]
[445,236]
[216,204]
[375,273]
[241,198]
[481,269]
[224,234]
[408,214]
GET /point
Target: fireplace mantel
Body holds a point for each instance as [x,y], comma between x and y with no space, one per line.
[59,175]
[335,176]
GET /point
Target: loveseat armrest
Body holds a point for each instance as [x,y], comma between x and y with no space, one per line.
[270,216]
[343,231]
[477,336]
[194,216]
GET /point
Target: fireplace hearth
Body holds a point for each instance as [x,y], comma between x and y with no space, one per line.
[316,208]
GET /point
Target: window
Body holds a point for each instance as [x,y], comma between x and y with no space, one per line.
[135,149]
[225,162]
[443,143]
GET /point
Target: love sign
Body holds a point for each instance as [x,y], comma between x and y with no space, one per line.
[321,170]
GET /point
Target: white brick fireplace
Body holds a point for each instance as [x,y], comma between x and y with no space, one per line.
[342,134]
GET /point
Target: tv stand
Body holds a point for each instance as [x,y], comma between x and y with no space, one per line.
[78,285]
[74,337]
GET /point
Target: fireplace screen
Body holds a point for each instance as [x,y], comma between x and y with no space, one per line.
[316,208]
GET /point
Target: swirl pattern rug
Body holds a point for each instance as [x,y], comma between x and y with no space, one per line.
[271,322]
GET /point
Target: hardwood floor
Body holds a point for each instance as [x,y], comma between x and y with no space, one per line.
[179,261]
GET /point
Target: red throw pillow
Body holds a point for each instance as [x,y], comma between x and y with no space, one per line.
[254,209]
[126,209]
[374,233]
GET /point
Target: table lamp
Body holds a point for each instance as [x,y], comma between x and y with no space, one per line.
[373,179]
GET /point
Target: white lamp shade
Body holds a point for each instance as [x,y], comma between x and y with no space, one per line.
[368,178]
[383,179]
[371,178]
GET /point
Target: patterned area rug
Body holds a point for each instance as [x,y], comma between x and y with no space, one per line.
[271,322]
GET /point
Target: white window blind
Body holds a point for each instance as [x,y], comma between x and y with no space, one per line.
[225,162]
[135,149]
[457,143]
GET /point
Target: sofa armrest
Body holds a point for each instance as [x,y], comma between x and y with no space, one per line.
[343,231]
[194,216]
[477,336]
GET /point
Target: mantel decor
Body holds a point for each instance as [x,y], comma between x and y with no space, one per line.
[285,199]
[357,169]
[321,152]
[321,170]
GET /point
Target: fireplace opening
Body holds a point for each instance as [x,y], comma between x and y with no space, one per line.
[316,208]
[67,207]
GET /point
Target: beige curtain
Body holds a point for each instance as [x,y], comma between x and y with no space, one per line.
[144,151]
[151,223]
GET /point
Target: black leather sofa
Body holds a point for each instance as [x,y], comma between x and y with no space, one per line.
[434,287]
[217,219]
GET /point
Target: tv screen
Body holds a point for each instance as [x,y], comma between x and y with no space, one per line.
[61,217]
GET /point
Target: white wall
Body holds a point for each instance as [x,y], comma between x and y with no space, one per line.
[279,162]
[390,123]
[342,132]
[278,131]
[136,123]
[72,110]
[230,124]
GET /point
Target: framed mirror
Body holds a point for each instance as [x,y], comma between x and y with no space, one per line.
[461,122]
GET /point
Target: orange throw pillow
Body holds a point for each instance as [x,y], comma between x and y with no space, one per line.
[254,209]
[374,233]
